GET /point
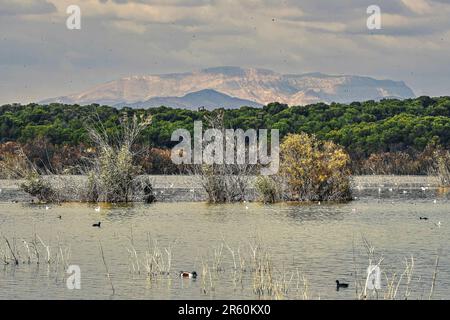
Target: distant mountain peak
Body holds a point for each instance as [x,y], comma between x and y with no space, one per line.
[229,84]
[207,98]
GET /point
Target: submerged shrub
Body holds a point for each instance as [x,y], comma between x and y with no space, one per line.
[441,166]
[224,183]
[36,186]
[113,175]
[268,189]
[314,170]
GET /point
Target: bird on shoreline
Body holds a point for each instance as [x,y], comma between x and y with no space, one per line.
[190,275]
[97,224]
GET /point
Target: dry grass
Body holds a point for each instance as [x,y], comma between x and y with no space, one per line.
[34,251]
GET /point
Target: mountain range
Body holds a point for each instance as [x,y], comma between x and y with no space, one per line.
[233,87]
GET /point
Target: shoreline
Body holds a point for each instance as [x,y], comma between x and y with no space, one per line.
[186,188]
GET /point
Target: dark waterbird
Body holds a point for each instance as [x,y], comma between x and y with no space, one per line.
[340,285]
[97,225]
[423,218]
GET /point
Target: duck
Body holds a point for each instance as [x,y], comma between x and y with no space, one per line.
[97,224]
[97,209]
[60,217]
[185,274]
[423,218]
[341,285]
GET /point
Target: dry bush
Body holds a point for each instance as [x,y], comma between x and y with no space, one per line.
[314,170]
[409,162]
[389,163]
[113,173]
[441,166]
[156,161]
[269,188]
[13,163]
[224,183]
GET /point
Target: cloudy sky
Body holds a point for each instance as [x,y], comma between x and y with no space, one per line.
[41,58]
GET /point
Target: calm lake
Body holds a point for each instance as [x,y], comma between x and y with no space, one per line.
[310,247]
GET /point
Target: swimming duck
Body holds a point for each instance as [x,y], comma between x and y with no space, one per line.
[423,218]
[341,285]
[184,274]
[97,224]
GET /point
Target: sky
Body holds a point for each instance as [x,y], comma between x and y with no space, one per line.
[41,58]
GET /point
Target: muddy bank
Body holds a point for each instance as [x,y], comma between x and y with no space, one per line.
[188,188]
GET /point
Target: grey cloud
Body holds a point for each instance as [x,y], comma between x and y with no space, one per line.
[17,7]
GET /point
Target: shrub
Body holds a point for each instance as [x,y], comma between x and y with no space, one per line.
[36,186]
[224,183]
[113,175]
[314,170]
[13,162]
[268,189]
[441,166]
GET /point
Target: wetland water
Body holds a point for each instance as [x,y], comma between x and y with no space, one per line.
[324,242]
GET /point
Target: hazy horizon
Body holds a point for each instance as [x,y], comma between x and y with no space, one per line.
[40,58]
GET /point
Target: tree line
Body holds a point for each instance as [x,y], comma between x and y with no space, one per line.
[362,128]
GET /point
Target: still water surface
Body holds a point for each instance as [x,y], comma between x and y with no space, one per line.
[323,242]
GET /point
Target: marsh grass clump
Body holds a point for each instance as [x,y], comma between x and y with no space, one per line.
[396,283]
[154,261]
[113,174]
[17,252]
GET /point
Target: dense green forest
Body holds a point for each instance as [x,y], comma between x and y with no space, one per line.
[363,128]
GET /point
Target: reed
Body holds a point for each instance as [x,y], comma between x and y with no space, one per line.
[108,274]
[156,261]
